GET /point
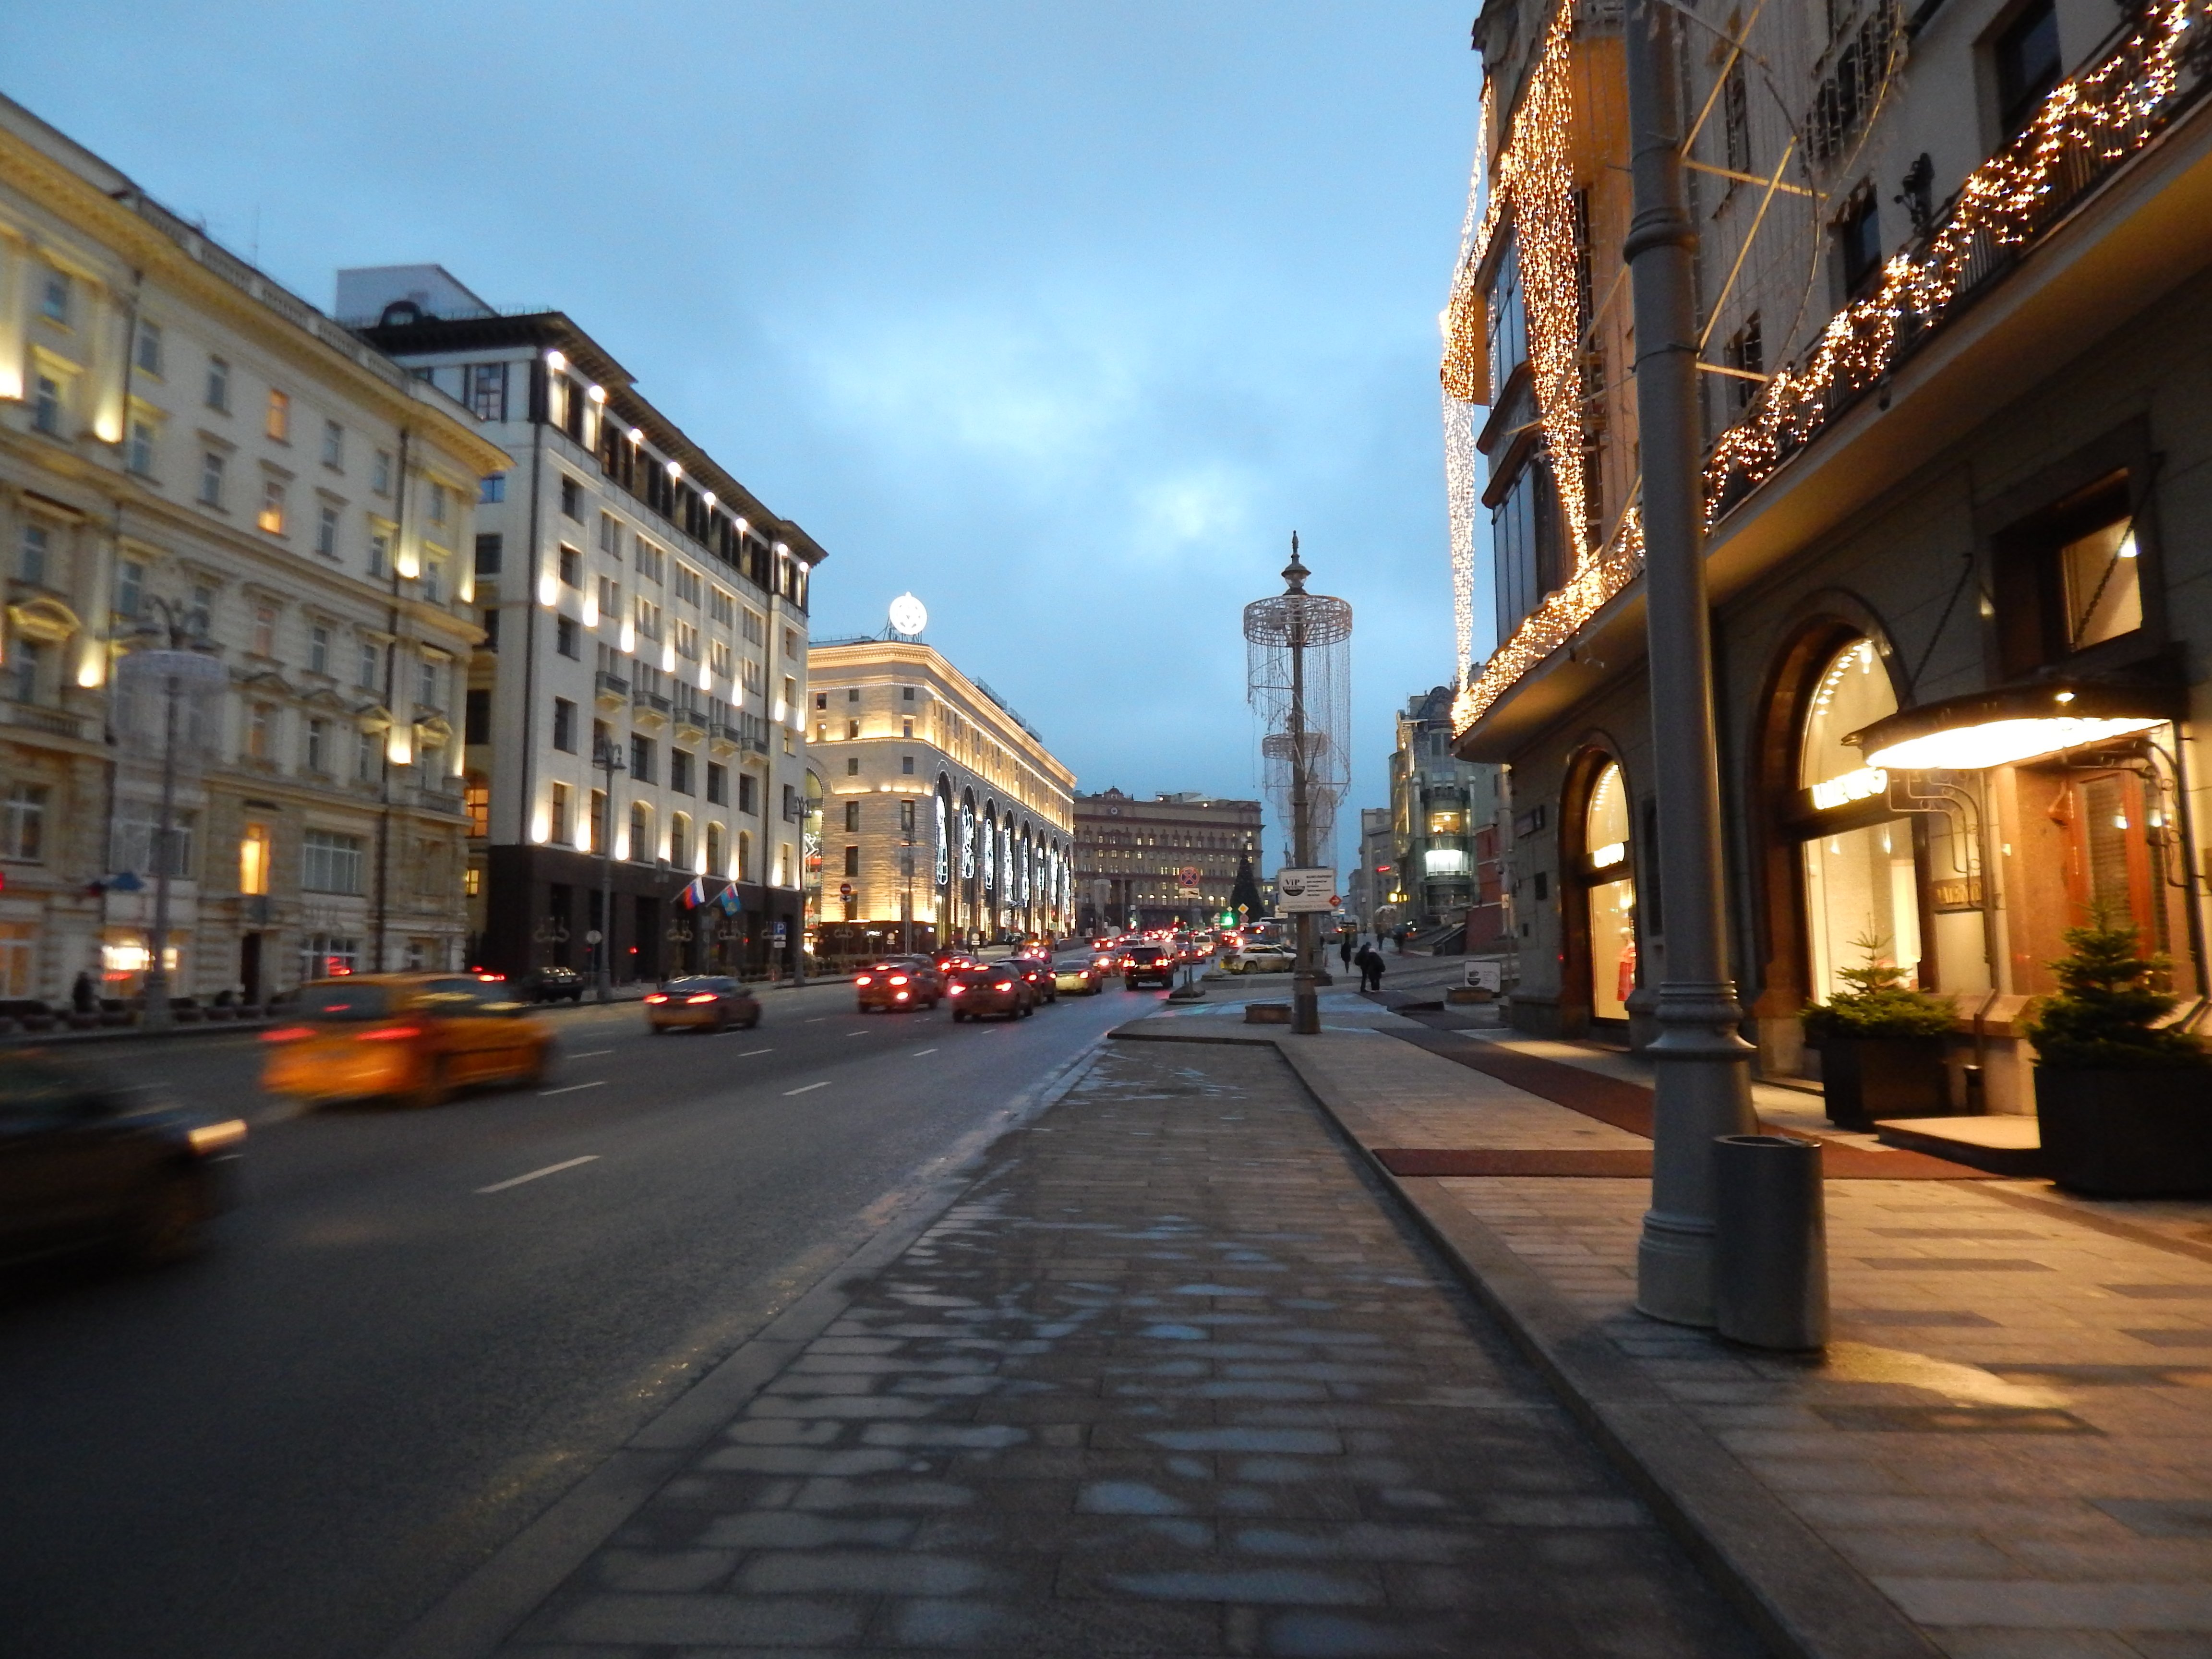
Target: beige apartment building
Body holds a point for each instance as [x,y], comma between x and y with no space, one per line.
[940,805]
[1953,265]
[1159,862]
[190,452]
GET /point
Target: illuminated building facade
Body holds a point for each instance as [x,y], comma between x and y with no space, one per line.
[637,601]
[185,443]
[1167,861]
[1953,270]
[940,805]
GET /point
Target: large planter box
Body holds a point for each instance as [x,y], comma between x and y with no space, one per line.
[2127,1134]
[1866,1078]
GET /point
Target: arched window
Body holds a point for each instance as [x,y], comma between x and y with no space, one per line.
[714,863]
[744,855]
[1610,874]
[641,832]
[679,839]
[1862,877]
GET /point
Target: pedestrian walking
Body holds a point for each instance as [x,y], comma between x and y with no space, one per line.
[1371,967]
[1344,948]
[83,997]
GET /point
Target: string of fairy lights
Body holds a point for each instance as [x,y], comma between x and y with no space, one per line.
[1460,402]
[2100,117]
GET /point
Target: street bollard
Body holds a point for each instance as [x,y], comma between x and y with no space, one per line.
[1770,1243]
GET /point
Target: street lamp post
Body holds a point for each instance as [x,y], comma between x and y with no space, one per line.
[176,663]
[608,756]
[1702,1082]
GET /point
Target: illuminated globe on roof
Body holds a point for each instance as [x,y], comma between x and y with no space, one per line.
[909,615]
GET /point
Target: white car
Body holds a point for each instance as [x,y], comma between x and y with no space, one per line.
[1262,959]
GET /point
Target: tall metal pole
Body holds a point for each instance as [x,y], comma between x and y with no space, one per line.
[1702,1081]
[603,983]
[1305,998]
[157,971]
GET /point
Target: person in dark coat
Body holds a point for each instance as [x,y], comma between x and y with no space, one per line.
[84,996]
[1344,949]
[1371,967]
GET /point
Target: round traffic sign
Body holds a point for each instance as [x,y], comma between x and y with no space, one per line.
[593,937]
[844,889]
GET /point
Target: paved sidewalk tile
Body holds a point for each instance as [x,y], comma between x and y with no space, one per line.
[1170,1380]
[2011,1435]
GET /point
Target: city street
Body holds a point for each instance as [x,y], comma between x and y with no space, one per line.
[418,1328]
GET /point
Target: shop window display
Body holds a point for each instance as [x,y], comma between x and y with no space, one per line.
[1612,896]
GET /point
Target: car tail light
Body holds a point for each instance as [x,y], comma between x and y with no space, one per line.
[862,979]
[901,996]
[955,990]
[1002,985]
[211,1138]
[390,1033]
[656,996]
[702,996]
[897,979]
[493,979]
[288,1034]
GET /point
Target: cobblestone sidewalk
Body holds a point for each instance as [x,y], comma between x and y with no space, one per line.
[1169,1380]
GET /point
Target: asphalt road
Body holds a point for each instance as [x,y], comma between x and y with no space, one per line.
[395,1353]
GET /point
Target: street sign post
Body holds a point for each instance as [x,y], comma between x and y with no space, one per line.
[1305,890]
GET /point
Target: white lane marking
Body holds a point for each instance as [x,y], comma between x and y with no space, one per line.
[550,1168]
[919,1053]
[571,1088]
[816,1020]
[591,1054]
[809,1089]
[863,1032]
[756,1051]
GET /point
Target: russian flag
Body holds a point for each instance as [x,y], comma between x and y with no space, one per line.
[695,895]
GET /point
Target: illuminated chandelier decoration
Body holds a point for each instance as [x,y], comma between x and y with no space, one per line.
[2106,113]
[2085,126]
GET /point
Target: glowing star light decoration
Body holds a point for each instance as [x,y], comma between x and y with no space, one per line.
[909,616]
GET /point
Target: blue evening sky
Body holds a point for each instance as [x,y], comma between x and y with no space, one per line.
[1062,315]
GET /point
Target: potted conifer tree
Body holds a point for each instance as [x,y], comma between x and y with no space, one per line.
[2124,1104]
[1880,1044]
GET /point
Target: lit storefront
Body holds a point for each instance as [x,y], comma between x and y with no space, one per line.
[1609,895]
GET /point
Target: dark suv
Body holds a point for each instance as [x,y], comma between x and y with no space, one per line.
[550,985]
[1147,964]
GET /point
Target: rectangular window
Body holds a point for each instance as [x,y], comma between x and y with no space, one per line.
[572,567]
[477,719]
[279,422]
[722,607]
[333,445]
[571,498]
[491,547]
[430,683]
[265,630]
[906,728]
[23,831]
[368,755]
[687,584]
[319,745]
[564,725]
[906,765]
[640,759]
[271,516]
[211,466]
[149,348]
[139,456]
[24,670]
[718,783]
[851,816]
[610,535]
[2026,58]
[487,390]
[138,833]
[254,859]
[1858,244]
[755,632]
[441,501]
[129,588]
[380,552]
[679,771]
[490,620]
[852,861]
[33,561]
[2069,578]
[330,862]
[748,792]
[560,813]
[218,384]
[434,581]
[491,489]
[326,531]
[46,407]
[1736,117]
[318,649]
[368,665]
[54,298]
[568,638]
[687,640]
[379,472]
[260,732]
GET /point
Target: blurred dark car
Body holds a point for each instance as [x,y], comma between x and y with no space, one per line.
[86,1162]
[1147,964]
[898,982]
[549,985]
[1037,970]
[952,961]
[976,991]
[704,1002]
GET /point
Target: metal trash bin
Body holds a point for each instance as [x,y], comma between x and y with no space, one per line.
[1770,1243]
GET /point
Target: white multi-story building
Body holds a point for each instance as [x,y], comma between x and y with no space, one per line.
[185,444]
[638,605]
[939,806]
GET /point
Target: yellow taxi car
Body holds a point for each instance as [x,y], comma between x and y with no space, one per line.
[413,1038]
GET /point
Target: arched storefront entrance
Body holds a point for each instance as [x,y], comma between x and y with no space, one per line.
[1608,877]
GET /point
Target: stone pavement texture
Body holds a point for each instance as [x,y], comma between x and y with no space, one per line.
[2009,1441]
[1172,1378]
